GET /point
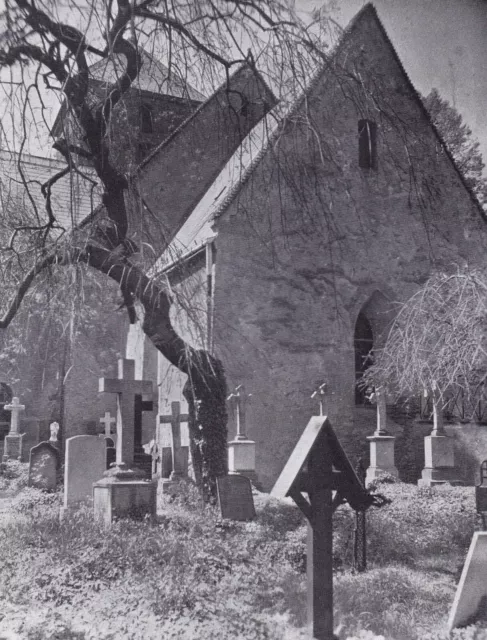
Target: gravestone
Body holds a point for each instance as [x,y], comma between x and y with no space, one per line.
[43,466]
[107,422]
[85,464]
[471,594]
[235,497]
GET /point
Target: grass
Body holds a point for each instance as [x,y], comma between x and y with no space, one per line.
[193,576]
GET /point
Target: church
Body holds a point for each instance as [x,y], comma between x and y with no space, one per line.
[287,236]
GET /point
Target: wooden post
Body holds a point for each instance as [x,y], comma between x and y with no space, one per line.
[320,542]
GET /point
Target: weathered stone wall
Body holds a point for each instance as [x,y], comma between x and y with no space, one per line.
[312,237]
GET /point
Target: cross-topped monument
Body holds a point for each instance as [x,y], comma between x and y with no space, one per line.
[126,388]
[13,441]
[379,398]
[107,422]
[15,408]
[239,397]
[320,393]
[179,441]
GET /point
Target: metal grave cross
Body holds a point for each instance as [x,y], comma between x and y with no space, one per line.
[126,388]
[320,393]
[179,449]
[240,398]
[438,421]
[107,421]
[379,397]
[15,408]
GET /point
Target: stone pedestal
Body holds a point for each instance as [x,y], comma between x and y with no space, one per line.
[12,448]
[381,457]
[241,458]
[439,461]
[123,494]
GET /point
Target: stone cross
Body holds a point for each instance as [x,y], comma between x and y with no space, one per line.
[107,421]
[15,408]
[54,428]
[179,453]
[240,398]
[126,388]
[320,393]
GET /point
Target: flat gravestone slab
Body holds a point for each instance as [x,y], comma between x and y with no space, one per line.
[235,497]
[85,464]
[43,466]
[472,589]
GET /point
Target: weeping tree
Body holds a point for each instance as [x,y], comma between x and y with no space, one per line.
[438,340]
[47,50]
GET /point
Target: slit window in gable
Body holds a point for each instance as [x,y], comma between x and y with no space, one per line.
[367,144]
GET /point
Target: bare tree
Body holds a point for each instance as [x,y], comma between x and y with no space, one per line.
[46,53]
[438,341]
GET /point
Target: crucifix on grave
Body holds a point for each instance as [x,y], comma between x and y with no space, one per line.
[239,399]
[439,458]
[126,388]
[179,441]
[241,450]
[107,422]
[15,408]
[381,441]
[13,441]
[320,393]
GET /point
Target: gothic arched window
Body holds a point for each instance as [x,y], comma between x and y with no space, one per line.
[363,344]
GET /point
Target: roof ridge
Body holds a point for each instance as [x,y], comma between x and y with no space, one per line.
[244,66]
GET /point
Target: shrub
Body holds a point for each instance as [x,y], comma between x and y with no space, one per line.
[14,476]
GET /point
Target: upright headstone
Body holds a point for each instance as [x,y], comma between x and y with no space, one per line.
[439,459]
[43,466]
[142,460]
[13,441]
[381,442]
[111,453]
[126,388]
[85,464]
[241,450]
[471,594]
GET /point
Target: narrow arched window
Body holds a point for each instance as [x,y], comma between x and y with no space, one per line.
[146,119]
[367,144]
[363,344]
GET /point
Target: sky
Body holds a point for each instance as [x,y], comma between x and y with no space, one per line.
[441,43]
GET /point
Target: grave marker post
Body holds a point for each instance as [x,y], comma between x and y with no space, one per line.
[318,466]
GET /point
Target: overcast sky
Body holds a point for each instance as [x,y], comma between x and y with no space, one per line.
[441,43]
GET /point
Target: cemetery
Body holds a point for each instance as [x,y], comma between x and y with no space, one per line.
[242,328]
[99,548]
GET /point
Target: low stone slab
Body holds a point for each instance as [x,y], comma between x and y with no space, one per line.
[43,466]
[84,465]
[235,497]
[471,594]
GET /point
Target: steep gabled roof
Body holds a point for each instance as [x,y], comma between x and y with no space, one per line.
[199,227]
[153,76]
